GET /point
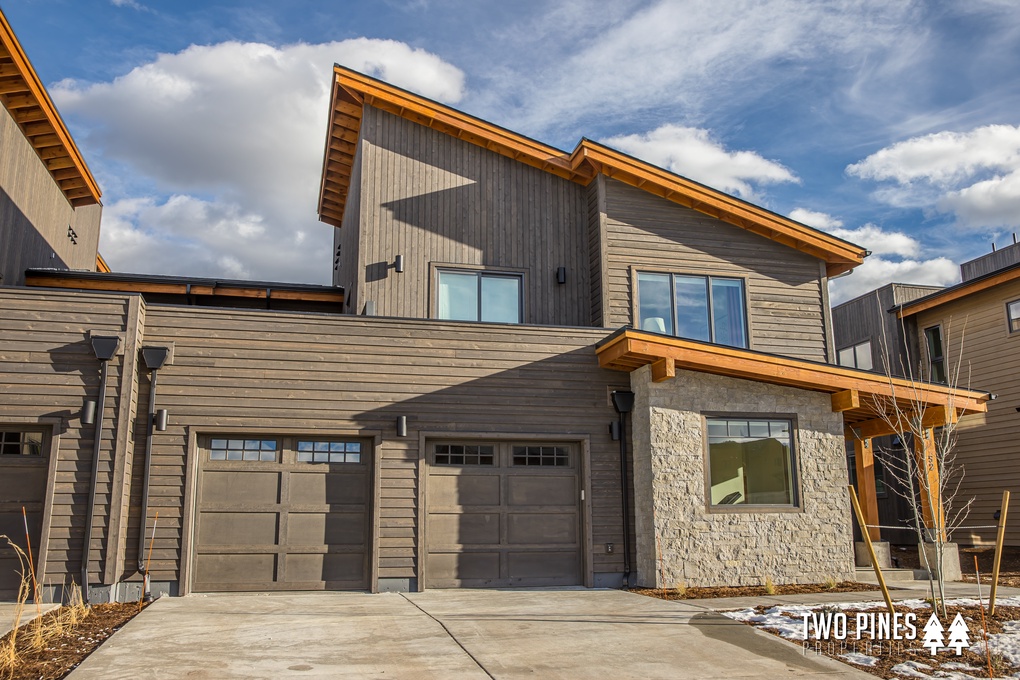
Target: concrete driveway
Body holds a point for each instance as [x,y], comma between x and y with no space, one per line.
[574,633]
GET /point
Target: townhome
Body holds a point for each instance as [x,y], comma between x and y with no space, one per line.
[534,367]
[961,335]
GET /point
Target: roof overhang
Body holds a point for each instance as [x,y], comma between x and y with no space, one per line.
[958,291]
[353,90]
[25,98]
[179,285]
[864,398]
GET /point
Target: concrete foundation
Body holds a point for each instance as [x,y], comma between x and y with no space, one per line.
[882,552]
[950,570]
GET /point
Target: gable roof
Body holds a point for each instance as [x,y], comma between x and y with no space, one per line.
[353,90]
[25,98]
[960,290]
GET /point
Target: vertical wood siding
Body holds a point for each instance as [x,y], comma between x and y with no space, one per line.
[784,298]
[987,446]
[48,368]
[35,215]
[596,249]
[436,199]
[347,238]
[263,371]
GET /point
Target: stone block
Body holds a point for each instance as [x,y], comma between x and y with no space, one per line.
[882,552]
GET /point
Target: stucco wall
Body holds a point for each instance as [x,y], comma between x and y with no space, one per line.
[699,547]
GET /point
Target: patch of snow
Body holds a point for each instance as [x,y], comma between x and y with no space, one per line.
[860,659]
[911,669]
[959,666]
[774,618]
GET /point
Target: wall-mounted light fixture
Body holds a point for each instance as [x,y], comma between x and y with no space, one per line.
[401,426]
[561,275]
[161,420]
[88,412]
[398,264]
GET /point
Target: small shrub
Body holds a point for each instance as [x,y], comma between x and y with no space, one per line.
[831,583]
[681,590]
[770,586]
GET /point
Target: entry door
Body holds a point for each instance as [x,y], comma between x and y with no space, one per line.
[23,470]
[282,513]
[503,514]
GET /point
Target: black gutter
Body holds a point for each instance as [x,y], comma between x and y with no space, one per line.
[154,358]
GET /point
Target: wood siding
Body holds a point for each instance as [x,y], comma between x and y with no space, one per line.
[35,215]
[272,371]
[648,233]
[438,200]
[346,240]
[597,249]
[987,445]
[48,369]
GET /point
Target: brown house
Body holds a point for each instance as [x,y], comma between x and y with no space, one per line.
[446,415]
[967,334]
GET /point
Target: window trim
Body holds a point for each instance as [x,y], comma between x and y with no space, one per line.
[1009,321]
[635,273]
[436,268]
[929,359]
[798,498]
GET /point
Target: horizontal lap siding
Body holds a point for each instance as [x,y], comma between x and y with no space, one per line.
[48,369]
[273,370]
[646,232]
[436,199]
[987,446]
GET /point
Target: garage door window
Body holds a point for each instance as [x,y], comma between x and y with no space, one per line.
[464,454]
[328,452]
[21,443]
[243,449]
[541,456]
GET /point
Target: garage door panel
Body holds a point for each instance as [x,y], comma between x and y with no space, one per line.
[213,569]
[541,490]
[322,487]
[449,568]
[339,528]
[238,528]
[231,486]
[452,529]
[551,568]
[337,567]
[21,483]
[23,474]
[450,491]
[541,529]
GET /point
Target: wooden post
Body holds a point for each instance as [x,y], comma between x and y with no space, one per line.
[871,552]
[864,461]
[929,482]
[999,538]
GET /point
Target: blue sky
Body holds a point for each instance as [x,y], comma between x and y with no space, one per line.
[892,124]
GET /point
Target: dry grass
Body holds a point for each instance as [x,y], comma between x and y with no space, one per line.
[769,586]
[36,635]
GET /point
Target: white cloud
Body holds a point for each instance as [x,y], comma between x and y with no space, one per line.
[973,175]
[877,271]
[818,220]
[234,131]
[693,153]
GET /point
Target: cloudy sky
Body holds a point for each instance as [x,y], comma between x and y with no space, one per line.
[894,124]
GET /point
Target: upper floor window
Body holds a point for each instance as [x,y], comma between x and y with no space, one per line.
[936,357]
[857,356]
[479,296]
[1013,315]
[708,308]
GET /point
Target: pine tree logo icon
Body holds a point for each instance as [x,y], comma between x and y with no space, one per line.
[933,634]
[959,634]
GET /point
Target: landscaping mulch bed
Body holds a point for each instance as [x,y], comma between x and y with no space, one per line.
[1009,568]
[753,591]
[63,654]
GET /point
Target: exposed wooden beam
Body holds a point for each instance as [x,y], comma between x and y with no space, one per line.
[846,400]
[663,369]
[867,493]
[933,416]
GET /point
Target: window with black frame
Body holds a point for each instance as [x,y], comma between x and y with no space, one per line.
[707,308]
[479,296]
[936,356]
[751,462]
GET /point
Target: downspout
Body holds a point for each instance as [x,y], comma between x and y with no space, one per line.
[105,348]
[623,402]
[154,358]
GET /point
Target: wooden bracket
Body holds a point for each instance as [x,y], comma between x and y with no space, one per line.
[846,400]
[663,369]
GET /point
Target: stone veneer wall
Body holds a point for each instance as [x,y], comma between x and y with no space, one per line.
[714,548]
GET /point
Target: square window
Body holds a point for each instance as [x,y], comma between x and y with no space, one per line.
[753,464]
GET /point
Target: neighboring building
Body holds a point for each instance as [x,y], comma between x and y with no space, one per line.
[965,335]
[442,416]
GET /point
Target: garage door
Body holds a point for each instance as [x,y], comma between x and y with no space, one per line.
[283,513]
[23,469]
[502,514]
